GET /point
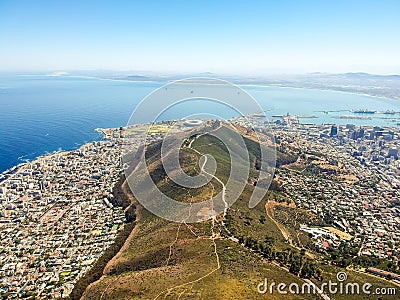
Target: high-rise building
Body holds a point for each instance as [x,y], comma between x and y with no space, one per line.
[350,126]
[372,135]
[393,152]
[334,131]
[361,133]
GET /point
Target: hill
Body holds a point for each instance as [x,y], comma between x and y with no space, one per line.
[222,258]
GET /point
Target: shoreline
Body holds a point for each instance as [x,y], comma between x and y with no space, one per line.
[10,172]
[240,84]
[17,168]
[14,169]
[321,90]
[22,162]
[246,84]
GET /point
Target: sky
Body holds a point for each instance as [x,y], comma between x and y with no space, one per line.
[226,37]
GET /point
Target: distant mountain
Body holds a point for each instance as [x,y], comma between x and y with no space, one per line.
[137,78]
[387,86]
[362,75]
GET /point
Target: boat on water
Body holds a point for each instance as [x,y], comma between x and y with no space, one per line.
[259,115]
[363,111]
[389,112]
[353,117]
[307,117]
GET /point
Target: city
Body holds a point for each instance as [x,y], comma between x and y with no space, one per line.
[56,219]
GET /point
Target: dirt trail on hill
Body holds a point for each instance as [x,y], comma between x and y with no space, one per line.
[114,261]
[269,208]
[125,246]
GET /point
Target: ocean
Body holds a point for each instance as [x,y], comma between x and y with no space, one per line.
[42,114]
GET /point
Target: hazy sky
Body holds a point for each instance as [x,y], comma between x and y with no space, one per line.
[249,37]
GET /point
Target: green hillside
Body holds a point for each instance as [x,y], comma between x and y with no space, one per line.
[223,258]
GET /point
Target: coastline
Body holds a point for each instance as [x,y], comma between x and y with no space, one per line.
[14,169]
[20,167]
[21,162]
[322,90]
[70,190]
[244,84]
[92,77]
[240,84]
[10,172]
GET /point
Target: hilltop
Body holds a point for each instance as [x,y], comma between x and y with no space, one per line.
[222,258]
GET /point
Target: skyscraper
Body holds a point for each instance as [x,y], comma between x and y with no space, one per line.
[334,131]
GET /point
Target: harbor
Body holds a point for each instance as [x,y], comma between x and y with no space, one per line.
[372,117]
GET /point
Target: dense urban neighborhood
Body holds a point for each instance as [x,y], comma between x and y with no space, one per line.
[56,219]
[349,176]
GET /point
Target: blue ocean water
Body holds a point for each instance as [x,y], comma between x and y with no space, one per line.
[42,114]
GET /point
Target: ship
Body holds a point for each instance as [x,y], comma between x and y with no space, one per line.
[389,112]
[363,111]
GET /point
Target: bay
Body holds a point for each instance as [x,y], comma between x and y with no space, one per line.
[42,114]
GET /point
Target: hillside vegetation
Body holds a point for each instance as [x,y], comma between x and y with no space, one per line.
[223,258]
